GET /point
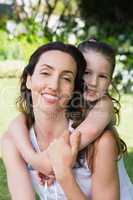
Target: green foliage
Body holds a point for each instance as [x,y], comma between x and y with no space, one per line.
[4,193]
[20,47]
[30,33]
[9,49]
[106,11]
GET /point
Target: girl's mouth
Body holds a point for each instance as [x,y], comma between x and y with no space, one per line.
[91,92]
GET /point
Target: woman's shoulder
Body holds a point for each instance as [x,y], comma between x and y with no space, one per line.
[107,141]
[105,147]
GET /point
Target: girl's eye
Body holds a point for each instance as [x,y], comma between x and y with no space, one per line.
[87,72]
[103,76]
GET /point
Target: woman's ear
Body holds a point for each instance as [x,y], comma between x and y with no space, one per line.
[28,82]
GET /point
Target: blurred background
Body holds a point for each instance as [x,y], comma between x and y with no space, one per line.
[26,24]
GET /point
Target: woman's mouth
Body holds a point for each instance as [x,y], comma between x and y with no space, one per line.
[52,99]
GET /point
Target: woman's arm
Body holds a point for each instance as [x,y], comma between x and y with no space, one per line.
[95,122]
[19,131]
[19,182]
[105,181]
[70,186]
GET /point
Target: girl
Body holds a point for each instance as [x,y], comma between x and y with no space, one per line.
[100,59]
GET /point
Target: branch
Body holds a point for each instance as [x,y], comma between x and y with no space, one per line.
[50,11]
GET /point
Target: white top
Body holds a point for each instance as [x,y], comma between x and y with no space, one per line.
[83,178]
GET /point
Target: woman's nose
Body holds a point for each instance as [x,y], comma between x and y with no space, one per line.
[54,83]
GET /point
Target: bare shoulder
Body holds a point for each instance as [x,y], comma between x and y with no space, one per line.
[6,140]
[106,144]
[9,150]
[105,102]
[16,121]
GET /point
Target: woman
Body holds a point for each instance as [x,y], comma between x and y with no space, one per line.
[103,178]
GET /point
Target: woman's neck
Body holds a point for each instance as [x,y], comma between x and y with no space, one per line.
[49,126]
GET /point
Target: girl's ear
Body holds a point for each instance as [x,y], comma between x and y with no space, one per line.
[28,82]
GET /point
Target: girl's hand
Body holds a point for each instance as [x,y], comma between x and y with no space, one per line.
[42,178]
[42,163]
[62,154]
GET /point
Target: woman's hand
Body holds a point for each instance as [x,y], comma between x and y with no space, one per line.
[63,154]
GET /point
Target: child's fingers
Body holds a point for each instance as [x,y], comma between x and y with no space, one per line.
[75,143]
[50,181]
[66,136]
[42,178]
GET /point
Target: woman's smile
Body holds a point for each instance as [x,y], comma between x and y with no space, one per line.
[50,98]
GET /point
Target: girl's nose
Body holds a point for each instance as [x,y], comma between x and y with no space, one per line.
[93,81]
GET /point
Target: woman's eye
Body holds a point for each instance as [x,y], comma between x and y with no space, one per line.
[45,73]
[67,79]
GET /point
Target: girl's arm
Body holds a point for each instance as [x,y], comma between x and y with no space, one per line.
[18,130]
[62,156]
[105,181]
[19,182]
[95,122]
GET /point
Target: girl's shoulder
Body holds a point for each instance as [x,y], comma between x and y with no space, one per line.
[103,104]
[105,101]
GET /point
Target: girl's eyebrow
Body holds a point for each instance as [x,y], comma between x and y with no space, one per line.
[104,73]
[52,68]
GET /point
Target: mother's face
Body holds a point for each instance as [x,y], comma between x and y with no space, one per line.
[52,81]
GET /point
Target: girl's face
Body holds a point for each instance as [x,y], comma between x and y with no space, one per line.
[97,75]
[52,82]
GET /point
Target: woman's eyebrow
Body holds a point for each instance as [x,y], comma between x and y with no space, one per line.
[68,72]
[48,66]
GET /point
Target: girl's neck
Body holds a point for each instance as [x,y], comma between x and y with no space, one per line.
[49,126]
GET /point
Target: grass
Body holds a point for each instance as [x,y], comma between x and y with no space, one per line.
[8,93]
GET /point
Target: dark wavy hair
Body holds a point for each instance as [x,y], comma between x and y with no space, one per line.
[109,53]
[24,101]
